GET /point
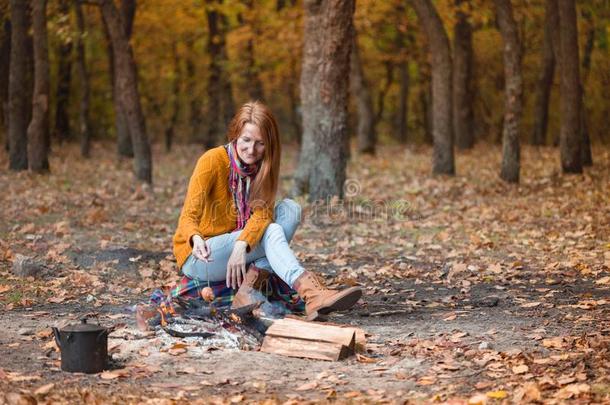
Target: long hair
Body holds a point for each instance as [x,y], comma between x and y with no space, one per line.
[264,186]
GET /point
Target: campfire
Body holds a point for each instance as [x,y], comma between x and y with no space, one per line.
[265,326]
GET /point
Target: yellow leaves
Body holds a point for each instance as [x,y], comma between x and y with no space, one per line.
[497,394]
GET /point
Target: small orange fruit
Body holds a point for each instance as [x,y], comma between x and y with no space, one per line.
[207,294]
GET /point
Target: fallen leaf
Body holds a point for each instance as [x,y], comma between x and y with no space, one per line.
[553,343]
[427,380]
[45,389]
[308,386]
[521,369]
[45,333]
[113,374]
[603,280]
[236,399]
[478,399]
[17,377]
[364,359]
[176,352]
[532,392]
[531,304]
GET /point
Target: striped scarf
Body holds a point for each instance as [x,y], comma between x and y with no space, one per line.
[240,177]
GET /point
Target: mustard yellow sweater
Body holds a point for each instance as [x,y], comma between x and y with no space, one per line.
[209,209]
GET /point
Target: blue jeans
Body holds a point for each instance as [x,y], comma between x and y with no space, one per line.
[272,252]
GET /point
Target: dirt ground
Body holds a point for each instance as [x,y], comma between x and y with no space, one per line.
[476,292]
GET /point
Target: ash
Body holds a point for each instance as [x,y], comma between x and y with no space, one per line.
[223,338]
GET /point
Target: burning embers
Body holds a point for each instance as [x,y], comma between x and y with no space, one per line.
[196,318]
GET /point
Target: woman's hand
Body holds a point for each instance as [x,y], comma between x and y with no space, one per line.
[236,267]
[201,250]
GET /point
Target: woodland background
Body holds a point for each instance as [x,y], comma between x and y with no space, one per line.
[197,61]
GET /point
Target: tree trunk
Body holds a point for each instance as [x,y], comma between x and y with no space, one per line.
[513,82]
[545,82]
[124,142]
[255,86]
[169,131]
[37,130]
[403,108]
[81,66]
[228,103]
[586,156]
[127,88]
[463,116]
[17,93]
[215,87]
[5,57]
[61,130]
[128,14]
[425,101]
[359,86]
[293,96]
[328,31]
[570,139]
[442,129]
[389,80]
[197,134]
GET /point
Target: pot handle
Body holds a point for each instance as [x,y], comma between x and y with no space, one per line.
[57,336]
[105,332]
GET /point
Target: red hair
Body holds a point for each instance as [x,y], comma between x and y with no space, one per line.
[264,186]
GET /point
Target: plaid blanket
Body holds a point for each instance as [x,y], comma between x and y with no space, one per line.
[188,288]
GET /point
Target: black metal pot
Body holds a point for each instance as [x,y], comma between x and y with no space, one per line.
[84,347]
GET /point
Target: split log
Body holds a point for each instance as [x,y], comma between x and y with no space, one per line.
[295,338]
[309,349]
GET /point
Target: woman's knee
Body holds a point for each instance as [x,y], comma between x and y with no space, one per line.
[274,232]
[290,212]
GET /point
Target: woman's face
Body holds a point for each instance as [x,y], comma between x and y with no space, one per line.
[250,144]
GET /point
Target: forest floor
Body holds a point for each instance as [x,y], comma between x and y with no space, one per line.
[475,291]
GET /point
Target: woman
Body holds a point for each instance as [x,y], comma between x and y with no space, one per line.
[229,228]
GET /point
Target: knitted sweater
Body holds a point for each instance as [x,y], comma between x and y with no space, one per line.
[209,209]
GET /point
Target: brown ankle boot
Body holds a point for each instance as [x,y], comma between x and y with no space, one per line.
[247,292]
[319,300]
